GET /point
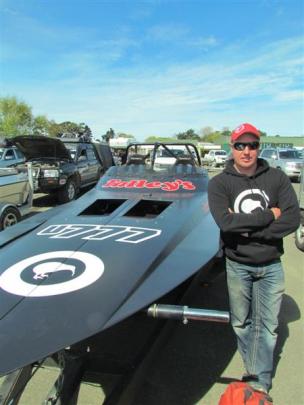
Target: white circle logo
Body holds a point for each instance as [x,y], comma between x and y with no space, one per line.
[248,200]
[46,275]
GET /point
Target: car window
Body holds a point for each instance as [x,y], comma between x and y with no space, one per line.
[221,153]
[9,155]
[267,153]
[83,155]
[165,153]
[72,147]
[91,152]
[19,154]
[289,154]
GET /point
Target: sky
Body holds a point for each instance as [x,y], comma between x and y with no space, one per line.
[157,67]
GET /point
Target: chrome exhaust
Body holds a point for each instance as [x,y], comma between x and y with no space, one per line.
[184,313]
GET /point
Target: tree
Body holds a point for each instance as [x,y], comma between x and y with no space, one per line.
[206,131]
[69,129]
[189,134]
[213,138]
[123,135]
[15,117]
[110,134]
[226,131]
[54,129]
[41,125]
[153,139]
[85,132]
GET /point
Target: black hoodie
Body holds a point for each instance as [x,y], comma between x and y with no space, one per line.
[241,205]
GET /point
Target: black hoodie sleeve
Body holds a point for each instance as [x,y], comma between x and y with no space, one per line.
[218,197]
[289,220]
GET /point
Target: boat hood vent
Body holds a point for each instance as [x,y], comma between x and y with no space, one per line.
[102,207]
[148,209]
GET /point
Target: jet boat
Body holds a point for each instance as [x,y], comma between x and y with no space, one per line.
[74,271]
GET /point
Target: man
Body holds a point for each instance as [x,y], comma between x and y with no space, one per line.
[254,206]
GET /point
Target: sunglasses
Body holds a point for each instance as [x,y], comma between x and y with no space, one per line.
[242,145]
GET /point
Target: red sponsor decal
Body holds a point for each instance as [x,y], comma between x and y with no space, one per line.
[166,185]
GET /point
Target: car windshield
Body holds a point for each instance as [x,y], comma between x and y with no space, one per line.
[72,147]
[289,154]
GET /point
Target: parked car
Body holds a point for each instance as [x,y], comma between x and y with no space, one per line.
[10,156]
[63,167]
[16,194]
[288,160]
[299,236]
[216,158]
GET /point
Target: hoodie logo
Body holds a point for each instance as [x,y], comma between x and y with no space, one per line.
[52,273]
[249,200]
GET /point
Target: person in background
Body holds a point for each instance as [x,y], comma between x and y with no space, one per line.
[255,207]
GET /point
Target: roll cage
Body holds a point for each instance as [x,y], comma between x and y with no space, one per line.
[146,153]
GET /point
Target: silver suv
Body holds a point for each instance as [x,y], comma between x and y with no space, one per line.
[288,160]
[300,231]
[10,156]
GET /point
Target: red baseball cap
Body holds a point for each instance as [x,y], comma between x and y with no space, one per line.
[244,129]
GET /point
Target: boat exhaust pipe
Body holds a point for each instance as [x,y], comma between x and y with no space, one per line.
[184,313]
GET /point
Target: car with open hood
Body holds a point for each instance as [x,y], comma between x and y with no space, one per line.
[64,166]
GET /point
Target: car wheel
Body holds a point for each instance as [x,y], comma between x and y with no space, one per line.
[10,216]
[300,237]
[68,192]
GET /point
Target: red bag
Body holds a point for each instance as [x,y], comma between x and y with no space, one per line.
[240,393]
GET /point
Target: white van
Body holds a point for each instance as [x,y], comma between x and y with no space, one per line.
[166,158]
[216,158]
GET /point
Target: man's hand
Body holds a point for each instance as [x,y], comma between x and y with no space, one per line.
[276,212]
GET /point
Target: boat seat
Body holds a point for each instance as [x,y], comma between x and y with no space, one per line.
[184,165]
[136,159]
[136,163]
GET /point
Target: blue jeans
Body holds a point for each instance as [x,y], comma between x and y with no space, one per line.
[255,295]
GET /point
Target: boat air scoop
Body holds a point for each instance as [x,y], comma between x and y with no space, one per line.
[184,313]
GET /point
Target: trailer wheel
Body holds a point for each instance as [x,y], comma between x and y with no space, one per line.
[10,216]
[300,237]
